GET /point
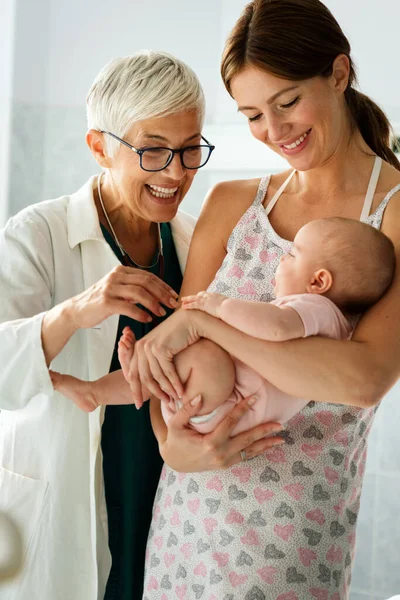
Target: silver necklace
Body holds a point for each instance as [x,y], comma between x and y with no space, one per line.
[121,249]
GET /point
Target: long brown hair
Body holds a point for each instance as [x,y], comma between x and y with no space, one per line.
[297,40]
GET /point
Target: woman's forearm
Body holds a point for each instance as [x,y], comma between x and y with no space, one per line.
[57,328]
[157,421]
[320,369]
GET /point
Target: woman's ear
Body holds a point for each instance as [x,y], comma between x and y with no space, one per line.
[321,282]
[340,73]
[95,141]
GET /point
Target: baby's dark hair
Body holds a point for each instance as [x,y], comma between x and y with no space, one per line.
[362,261]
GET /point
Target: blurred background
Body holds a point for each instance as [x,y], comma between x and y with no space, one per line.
[50,52]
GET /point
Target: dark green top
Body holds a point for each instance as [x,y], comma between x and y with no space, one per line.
[131,461]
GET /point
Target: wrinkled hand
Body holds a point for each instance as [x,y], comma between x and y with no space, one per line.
[118,293]
[208,302]
[152,364]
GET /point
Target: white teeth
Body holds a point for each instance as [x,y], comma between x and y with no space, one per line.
[161,192]
[297,142]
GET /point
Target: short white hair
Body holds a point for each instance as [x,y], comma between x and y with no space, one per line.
[142,86]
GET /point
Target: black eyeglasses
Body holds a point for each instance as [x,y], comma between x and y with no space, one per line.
[157,159]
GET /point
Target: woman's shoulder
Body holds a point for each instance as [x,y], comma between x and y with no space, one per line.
[48,215]
[245,190]
[236,196]
[390,178]
[40,216]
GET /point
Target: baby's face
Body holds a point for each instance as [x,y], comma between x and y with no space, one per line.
[296,269]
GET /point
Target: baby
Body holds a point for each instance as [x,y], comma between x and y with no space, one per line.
[336,268]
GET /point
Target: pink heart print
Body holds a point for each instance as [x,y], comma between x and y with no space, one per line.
[235,271]
[319,593]
[234,517]
[175,520]
[247,289]
[181,591]
[299,418]
[169,559]
[285,532]
[209,525]
[181,477]
[354,494]
[186,550]
[276,455]
[306,556]
[158,542]
[242,473]
[237,579]
[267,574]
[200,569]
[222,558]
[152,585]
[263,496]
[334,554]
[168,501]
[312,450]
[295,490]
[352,539]
[267,257]
[325,417]
[251,538]
[193,505]
[215,484]
[331,475]
[288,596]
[252,241]
[339,507]
[316,515]
[341,437]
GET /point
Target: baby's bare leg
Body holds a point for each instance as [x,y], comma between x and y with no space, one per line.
[206,369]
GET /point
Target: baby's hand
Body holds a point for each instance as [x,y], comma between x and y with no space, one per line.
[206,301]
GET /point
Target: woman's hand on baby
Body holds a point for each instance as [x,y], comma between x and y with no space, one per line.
[208,302]
[152,363]
[118,293]
[186,450]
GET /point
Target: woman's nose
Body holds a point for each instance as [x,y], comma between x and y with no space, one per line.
[277,129]
[175,167]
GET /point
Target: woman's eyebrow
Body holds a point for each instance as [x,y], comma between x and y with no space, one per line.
[270,100]
[159,138]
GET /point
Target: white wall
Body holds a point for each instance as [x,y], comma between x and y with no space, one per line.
[7,23]
[60,47]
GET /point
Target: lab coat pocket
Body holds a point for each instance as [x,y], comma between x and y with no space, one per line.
[22,498]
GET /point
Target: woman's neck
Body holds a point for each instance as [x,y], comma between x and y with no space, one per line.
[343,173]
[138,237]
[124,221]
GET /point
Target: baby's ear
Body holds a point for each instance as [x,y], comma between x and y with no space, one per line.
[321,282]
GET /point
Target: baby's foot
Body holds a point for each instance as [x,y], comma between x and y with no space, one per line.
[126,346]
[83,393]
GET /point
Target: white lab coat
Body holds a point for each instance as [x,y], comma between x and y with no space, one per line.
[50,463]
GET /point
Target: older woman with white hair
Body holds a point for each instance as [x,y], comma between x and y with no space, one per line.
[74,272]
